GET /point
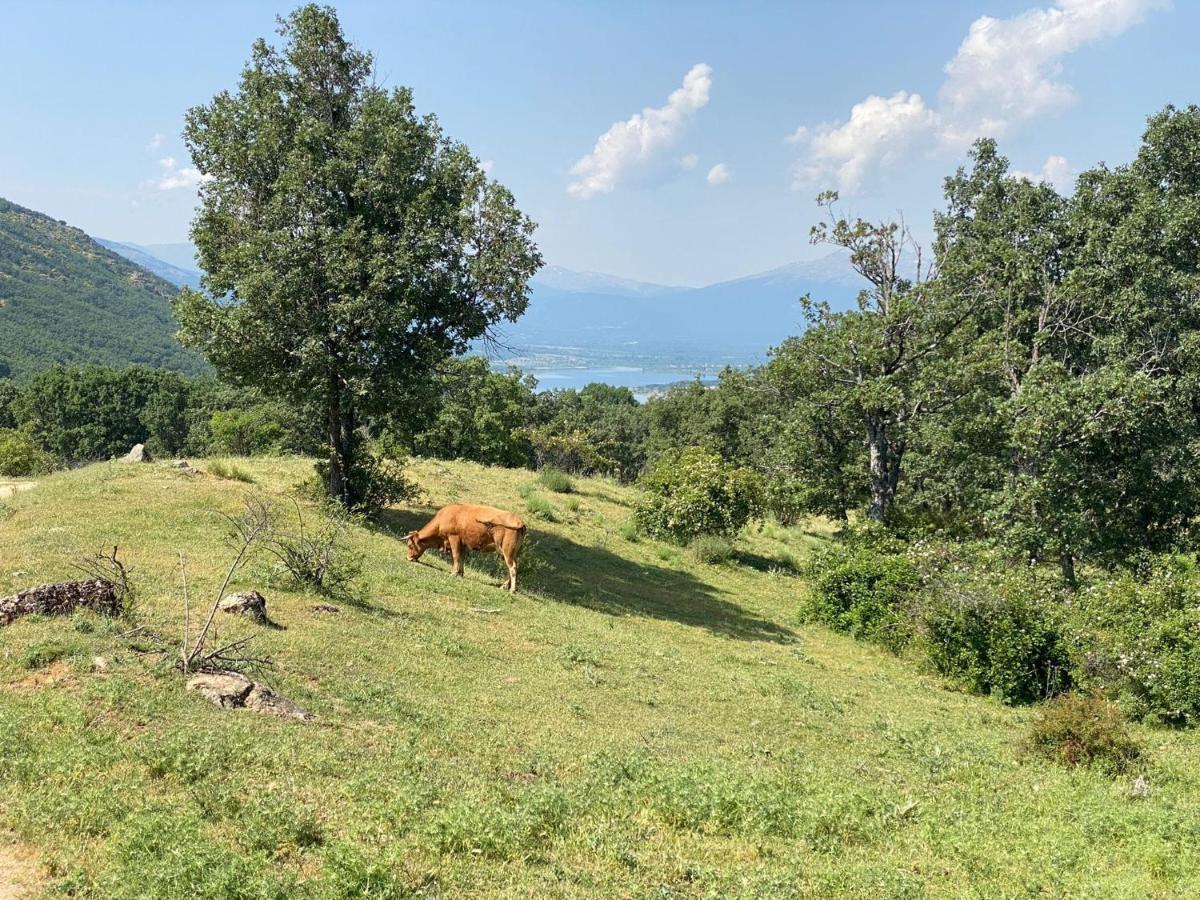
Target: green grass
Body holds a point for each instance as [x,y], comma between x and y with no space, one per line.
[625,726]
[223,468]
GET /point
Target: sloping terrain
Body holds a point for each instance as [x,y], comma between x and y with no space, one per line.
[66,299]
[633,724]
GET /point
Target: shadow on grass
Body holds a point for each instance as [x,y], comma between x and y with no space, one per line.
[599,579]
[761,563]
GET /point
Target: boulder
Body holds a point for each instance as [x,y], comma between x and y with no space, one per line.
[61,599]
[246,603]
[234,690]
[138,454]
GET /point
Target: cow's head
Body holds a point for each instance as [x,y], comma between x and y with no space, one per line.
[414,546]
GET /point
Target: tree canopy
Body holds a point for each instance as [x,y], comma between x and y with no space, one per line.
[348,245]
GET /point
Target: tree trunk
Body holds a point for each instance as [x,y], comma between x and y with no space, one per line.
[341,450]
[885,471]
[1066,560]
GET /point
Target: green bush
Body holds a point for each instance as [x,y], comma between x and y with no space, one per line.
[998,632]
[1138,640]
[264,428]
[693,493]
[20,457]
[220,468]
[553,479]
[711,549]
[864,587]
[1075,731]
[539,506]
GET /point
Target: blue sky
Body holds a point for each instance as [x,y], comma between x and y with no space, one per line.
[876,98]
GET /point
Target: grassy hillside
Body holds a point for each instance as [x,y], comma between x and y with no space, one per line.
[634,724]
[66,299]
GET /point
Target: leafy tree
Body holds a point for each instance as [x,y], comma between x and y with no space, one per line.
[600,429]
[480,415]
[349,246]
[693,492]
[891,363]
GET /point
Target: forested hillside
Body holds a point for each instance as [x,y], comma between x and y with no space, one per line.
[66,299]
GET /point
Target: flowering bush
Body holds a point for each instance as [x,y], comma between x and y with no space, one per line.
[1138,639]
[695,492]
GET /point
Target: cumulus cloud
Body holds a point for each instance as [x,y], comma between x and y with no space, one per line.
[1056,171]
[879,129]
[172,177]
[1005,73]
[155,143]
[639,138]
[689,162]
[718,174]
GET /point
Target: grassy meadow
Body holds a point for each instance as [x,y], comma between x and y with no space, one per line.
[634,723]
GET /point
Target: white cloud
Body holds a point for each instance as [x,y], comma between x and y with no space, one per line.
[719,174]
[689,162]
[1056,171]
[487,165]
[878,130]
[636,140]
[155,143]
[1005,73]
[175,178]
[1005,70]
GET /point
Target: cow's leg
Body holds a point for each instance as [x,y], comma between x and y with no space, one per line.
[457,552]
[510,560]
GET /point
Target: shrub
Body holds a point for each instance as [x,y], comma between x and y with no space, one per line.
[264,428]
[1139,640]
[863,587]
[556,480]
[316,554]
[629,531]
[693,493]
[539,506]
[998,632]
[711,549]
[1084,731]
[220,468]
[378,480]
[20,457]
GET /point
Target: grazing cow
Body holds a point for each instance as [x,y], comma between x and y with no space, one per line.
[465,526]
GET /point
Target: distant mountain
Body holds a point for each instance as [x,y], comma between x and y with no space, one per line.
[64,298]
[556,278]
[145,258]
[577,318]
[181,255]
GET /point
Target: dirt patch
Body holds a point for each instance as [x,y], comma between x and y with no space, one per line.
[48,676]
[21,876]
[8,488]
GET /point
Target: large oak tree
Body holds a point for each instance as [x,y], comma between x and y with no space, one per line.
[349,247]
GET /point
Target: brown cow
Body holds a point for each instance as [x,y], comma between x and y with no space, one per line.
[466,526]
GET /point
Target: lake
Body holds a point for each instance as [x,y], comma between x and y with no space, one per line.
[619,376]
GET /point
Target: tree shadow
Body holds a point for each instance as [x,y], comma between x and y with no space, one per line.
[765,564]
[596,578]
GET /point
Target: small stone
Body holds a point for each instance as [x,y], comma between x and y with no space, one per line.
[182,464]
[138,454]
[233,690]
[1141,788]
[325,608]
[246,603]
[99,664]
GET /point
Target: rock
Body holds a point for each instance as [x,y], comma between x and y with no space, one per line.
[325,608]
[182,464]
[246,603]
[99,664]
[60,599]
[233,690]
[1140,789]
[137,455]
